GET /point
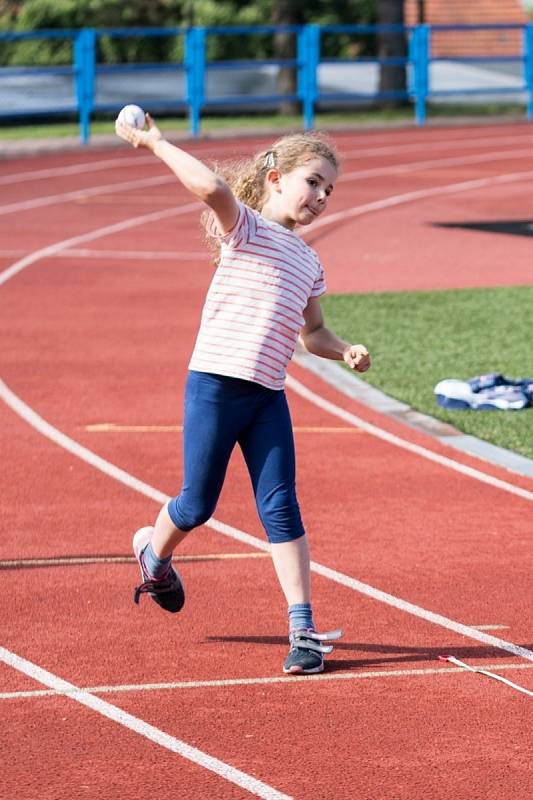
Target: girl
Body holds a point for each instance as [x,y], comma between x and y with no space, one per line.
[264,294]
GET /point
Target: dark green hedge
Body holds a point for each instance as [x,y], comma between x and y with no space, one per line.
[60,14]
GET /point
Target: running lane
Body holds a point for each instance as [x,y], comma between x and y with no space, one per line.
[91,341]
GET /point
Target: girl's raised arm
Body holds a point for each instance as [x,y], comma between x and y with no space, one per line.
[196,176]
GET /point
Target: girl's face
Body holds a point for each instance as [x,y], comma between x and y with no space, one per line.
[300,196]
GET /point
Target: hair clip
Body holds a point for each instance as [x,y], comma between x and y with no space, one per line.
[270,160]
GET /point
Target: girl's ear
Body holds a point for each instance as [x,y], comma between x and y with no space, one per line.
[272,179]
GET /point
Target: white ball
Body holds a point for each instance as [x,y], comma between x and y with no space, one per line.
[132,115]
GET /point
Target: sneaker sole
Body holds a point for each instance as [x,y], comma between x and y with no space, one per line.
[140,540]
[300,671]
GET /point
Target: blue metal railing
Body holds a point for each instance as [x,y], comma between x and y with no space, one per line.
[195,72]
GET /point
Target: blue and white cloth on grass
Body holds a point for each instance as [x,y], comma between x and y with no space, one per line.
[490,392]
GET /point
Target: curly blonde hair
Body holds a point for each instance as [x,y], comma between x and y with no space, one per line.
[247,177]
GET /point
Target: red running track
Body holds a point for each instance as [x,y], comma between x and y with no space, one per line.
[99,311]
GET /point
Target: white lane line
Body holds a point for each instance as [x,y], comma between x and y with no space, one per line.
[105,164]
[141,727]
[48,430]
[491,627]
[454,161]
[362,152]
[440,144]
[121,255]
[159,497]
[78,194]
[391,438]
[359,390]
[110,188]
[133,255]
[74,169]
[281,679]
[54,249]
[422,613]
[64,441]
[419,194]
[377,205]
[247,782]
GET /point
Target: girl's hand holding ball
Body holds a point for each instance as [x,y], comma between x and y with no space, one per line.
[130,126]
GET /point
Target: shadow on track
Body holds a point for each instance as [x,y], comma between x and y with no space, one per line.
[389,654]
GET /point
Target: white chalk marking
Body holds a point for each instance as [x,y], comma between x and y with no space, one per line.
[106,709]
[440,144]
[247,782]
[489,674]
[390,149]
[98,233]
[74,169]
[491,627]
[134,255]
[419,194]
[26,205]
[78,194]
[281,679]
[48,430]
[452,161]
[391,438]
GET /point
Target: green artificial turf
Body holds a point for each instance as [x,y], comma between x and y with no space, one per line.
[419,338]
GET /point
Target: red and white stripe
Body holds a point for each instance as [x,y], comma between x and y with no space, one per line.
[254,308]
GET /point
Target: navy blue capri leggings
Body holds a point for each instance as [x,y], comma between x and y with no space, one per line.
[219,413]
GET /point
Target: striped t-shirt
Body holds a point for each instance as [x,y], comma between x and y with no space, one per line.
[253,311]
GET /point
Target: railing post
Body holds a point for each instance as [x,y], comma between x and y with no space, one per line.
[195,68]
[528,68]
[308,60]
[419,51]
[84,72]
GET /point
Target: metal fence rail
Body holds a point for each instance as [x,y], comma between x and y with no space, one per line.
[196,82]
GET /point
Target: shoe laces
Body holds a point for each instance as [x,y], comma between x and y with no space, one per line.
[151,586]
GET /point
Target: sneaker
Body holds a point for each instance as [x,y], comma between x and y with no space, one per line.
[306,654]
[167,592]
[486,393]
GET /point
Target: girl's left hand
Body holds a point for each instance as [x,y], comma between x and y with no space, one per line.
[357,357]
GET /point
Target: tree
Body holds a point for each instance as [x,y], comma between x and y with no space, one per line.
[392,45]
[287,12]
[321,12]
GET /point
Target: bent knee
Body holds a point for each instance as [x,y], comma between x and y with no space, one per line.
[186,515]
[282,521]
